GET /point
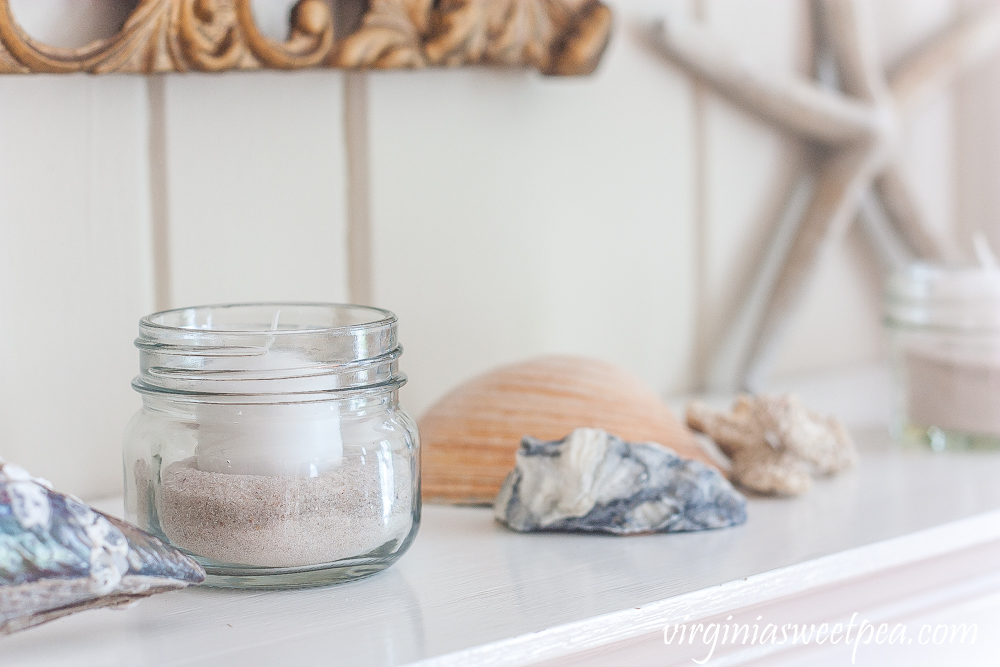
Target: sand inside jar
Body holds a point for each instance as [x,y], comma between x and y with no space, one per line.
[282,521]
[953,393]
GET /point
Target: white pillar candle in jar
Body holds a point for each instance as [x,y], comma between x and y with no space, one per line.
[285,439]
[300,440]
[271,444]
[944,325]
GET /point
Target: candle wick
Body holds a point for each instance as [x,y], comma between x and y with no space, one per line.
[274,327]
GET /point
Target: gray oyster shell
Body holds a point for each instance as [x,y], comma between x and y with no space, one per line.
[594,482]
[59,556]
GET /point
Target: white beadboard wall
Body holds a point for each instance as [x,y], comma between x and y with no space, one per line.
[256,185]
[514,215]
[75,272]
[507,215]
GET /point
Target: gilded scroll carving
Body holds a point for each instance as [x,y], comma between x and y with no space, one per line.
[559,37]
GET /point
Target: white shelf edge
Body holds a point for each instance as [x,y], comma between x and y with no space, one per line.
[563,640]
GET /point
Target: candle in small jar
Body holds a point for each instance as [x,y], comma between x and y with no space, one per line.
[277,456]
[944,323]
[298,439]
[285,440]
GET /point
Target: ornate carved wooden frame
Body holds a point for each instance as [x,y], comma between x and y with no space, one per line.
[558,37]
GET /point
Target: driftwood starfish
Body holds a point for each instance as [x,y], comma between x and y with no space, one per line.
[854,132]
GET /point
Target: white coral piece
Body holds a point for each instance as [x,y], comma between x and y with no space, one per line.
[776,444]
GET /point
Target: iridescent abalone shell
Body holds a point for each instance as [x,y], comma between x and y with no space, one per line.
[59,556]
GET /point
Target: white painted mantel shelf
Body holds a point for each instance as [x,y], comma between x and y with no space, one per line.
[907,537]
[470,592]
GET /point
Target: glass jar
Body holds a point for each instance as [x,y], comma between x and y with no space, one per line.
[944,332]
[271,446]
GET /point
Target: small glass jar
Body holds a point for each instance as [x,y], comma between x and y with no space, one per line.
[944,333]
[271,446]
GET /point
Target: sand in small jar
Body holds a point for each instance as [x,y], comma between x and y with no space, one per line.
[951,392]
[276,521]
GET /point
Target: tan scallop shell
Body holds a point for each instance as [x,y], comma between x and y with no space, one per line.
[470,436]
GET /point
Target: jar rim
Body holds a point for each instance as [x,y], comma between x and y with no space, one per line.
[952,297]
[154,320]
[247,350]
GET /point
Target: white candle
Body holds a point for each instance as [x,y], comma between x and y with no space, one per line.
[287,439]
[946,324]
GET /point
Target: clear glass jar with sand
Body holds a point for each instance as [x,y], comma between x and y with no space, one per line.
[271,445]
[944,331]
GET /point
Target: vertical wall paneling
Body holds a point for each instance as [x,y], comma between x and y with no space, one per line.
[359,241]
[702,347]
[159,189]
[75,272]
[514,215]
[256,171]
